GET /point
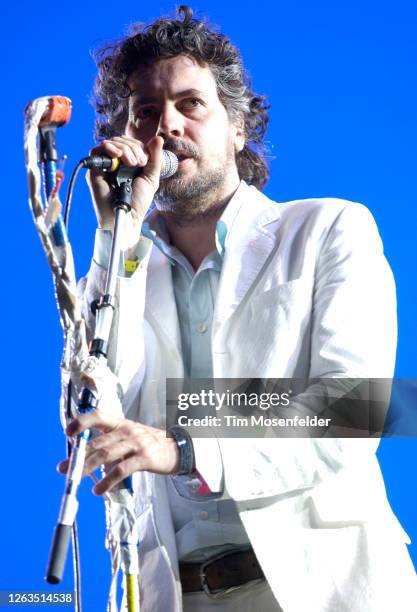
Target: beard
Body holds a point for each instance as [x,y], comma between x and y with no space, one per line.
[192,197]
[196,196]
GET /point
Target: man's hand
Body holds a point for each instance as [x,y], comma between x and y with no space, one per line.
[131,153]
[124,447]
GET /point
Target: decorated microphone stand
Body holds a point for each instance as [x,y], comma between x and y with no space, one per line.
[82,370]
[89,400]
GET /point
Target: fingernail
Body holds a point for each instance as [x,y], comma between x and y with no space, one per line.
[96,490]
[62,467]
[69,430]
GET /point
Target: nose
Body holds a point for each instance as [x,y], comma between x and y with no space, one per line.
[171,122]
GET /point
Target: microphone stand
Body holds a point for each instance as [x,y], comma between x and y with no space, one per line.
[88,401]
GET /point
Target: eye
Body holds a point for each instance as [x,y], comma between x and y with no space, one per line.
[192,103]
[145,113]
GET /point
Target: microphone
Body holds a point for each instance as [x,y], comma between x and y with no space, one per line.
[106,163]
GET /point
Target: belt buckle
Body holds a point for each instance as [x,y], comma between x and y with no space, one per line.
[203,578]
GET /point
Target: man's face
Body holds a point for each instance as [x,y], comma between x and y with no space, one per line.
[177,99]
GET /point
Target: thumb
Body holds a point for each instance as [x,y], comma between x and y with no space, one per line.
[152,170]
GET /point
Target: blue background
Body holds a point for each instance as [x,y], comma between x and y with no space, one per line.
[341,80]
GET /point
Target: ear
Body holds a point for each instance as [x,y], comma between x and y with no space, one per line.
[239,134]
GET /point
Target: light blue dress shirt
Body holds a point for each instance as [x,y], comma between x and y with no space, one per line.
[202,528]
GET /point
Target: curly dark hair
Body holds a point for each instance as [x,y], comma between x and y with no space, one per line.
[165,38]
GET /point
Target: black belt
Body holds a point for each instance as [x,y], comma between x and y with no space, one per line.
[229,569]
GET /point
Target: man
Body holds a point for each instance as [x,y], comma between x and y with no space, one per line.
[228,284]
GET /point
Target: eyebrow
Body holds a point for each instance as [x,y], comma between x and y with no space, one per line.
[139,100]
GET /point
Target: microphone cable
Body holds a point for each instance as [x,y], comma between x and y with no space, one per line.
[76,560]
[68,199]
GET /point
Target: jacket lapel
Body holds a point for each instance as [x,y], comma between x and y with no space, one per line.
[160,298]
[250,243]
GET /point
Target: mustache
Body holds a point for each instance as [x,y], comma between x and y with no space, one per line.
[181,147]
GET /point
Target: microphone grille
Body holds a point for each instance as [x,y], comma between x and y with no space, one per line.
[169,165]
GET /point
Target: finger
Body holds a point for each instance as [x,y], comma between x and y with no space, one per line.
[99,420]
[120,149]
[135,146]
[125,430]
[104,454]
[125,439]
[118,473]
[62,468]
[152,169]
[107,146]
[107,455]
[131,152]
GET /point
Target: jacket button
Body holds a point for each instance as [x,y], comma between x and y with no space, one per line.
[201,328]
[203,515]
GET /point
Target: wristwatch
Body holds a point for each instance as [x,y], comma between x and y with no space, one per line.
[186,448]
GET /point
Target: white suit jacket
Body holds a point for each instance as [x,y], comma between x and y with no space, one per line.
[305,291]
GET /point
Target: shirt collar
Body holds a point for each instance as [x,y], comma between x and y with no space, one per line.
[226,221]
